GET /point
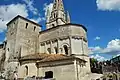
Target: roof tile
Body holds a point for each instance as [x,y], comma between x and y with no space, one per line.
[42,57]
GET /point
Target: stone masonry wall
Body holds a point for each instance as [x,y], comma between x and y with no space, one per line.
[65,72]
[27,38]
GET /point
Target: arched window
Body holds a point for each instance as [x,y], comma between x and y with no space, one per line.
[8,49]
[61,50]
[34,28]
[26,70]
[56,51]
[53,25]
[26,25]
[54,15]
[49,50]
[65,49]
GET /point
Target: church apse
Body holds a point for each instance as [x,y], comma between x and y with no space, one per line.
[70,35]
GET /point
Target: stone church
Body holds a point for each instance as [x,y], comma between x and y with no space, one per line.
[59,52]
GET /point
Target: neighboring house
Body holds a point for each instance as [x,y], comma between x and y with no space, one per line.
[110,69]
[115,61]
[59,52]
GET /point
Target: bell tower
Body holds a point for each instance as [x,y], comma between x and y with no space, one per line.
[57,16]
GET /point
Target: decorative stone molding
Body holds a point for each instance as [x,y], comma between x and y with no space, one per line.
[80,55]
[79,38]
[54,40]
[85,39]
[55,63]
[64,38]
[13,60]
[48,42]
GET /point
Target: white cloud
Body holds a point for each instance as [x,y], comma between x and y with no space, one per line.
[34,10]
[97,38]
[93,50]
[98,57]
[1,42]
[7,12]
[29,4]
[38,19]
[108,5]
[48,6]
[112,48]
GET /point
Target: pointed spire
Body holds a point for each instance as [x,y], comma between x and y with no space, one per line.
[48,15]
[55,4]
[58,5]
[57,16]
[68,17]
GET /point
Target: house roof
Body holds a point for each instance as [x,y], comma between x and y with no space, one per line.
[18,16]
[36,56]
[42,57]
[73,24]
[55,57]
